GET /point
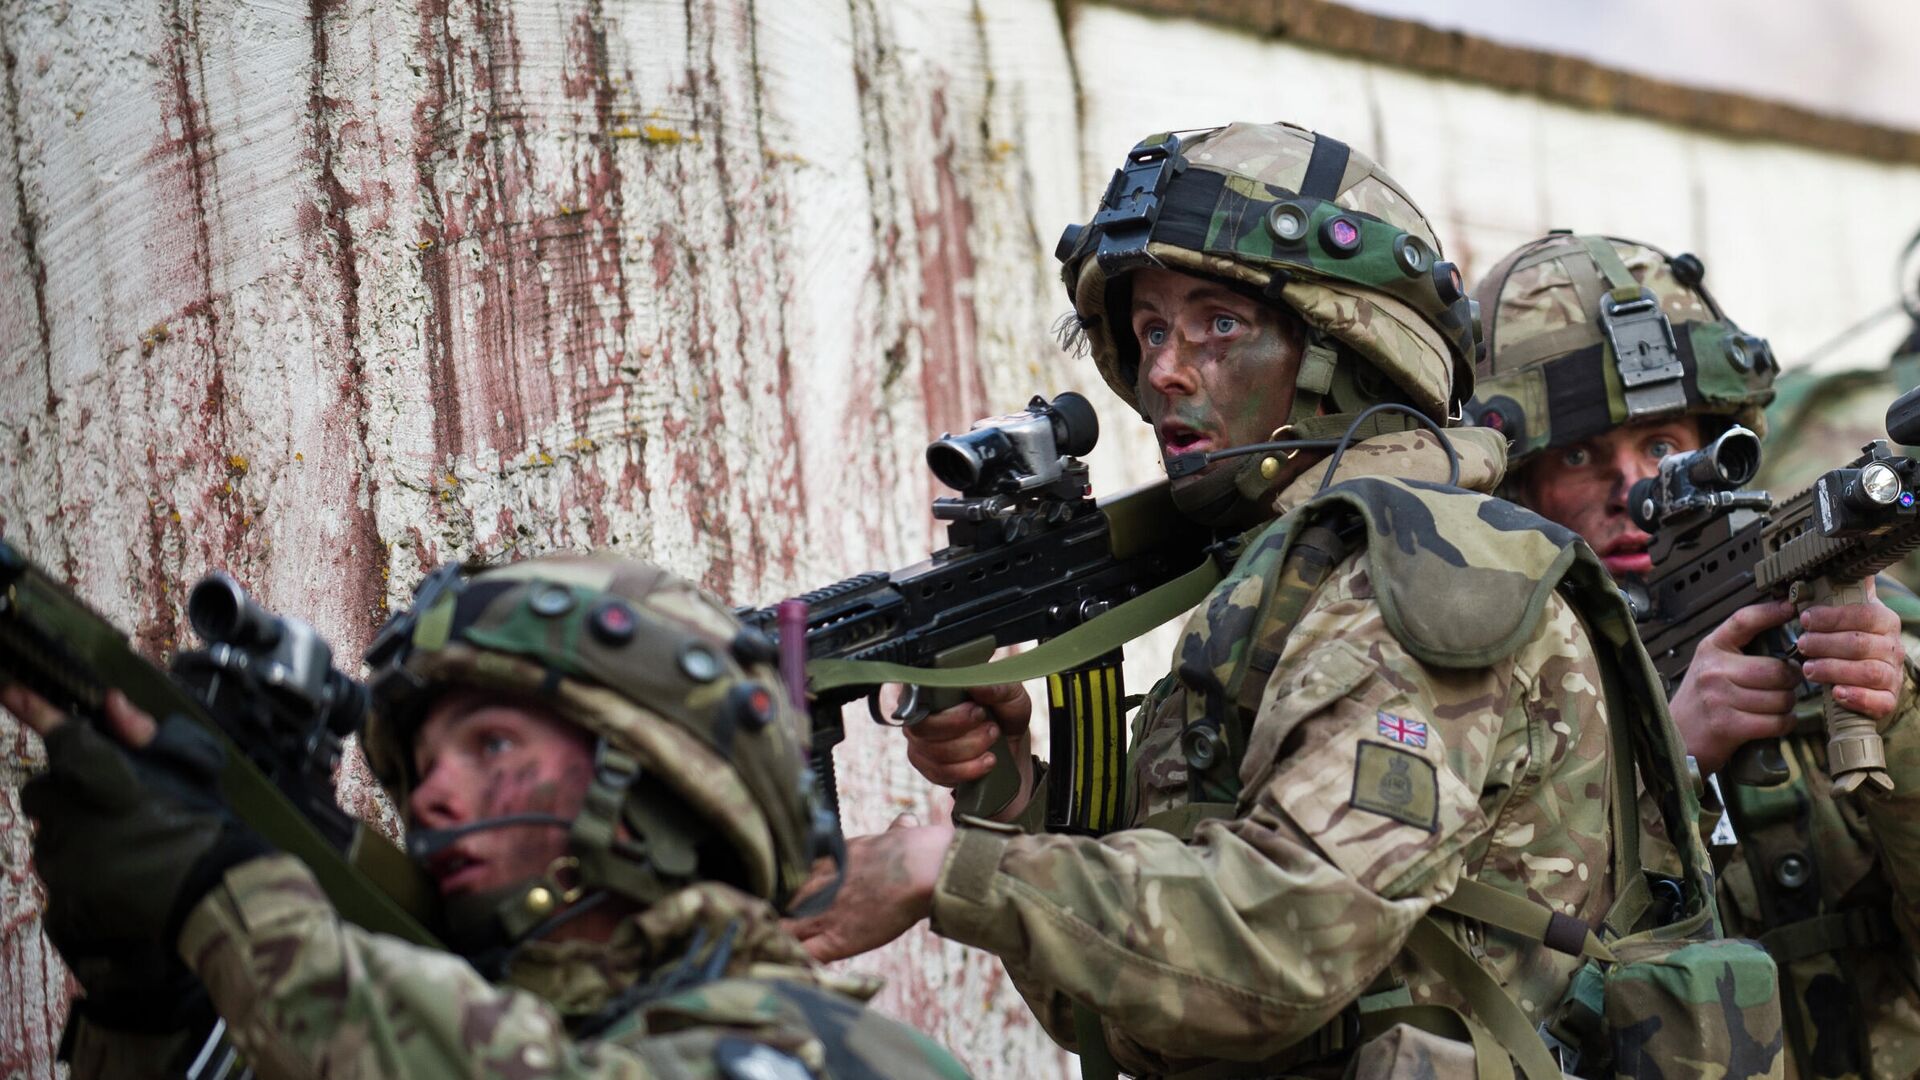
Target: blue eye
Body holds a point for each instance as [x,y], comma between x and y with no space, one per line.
[1155,336]
[1660,448]
[1577,457]
[1225,324]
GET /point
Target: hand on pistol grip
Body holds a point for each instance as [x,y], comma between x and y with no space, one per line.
[943,751]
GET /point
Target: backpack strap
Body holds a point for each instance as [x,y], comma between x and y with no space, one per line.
[1529,919]
[1308,565]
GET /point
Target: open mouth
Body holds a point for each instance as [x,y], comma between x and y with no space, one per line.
[1627,555]
[1177,439]
[456,872]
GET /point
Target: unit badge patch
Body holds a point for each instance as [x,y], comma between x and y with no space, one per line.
[1396,783]
[1402,730]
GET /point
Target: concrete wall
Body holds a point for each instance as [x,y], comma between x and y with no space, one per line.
[325,295]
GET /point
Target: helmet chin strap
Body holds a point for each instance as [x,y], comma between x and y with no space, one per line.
[1234,498]
[1225,497]
[489,929]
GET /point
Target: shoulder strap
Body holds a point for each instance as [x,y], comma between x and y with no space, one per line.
[1531,920]
[1493,1011]
[1308,564]
[1461,578]
[1088,641]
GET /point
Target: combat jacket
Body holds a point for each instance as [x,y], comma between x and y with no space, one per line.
[305,994]
[1841,910]
[1369,784]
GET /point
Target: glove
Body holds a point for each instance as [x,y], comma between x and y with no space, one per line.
[129,842]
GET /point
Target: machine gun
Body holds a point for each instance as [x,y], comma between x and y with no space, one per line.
[1030,556]
[265,686]
[1717,548]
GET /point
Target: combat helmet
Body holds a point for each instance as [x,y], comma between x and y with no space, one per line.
[1586,333]
[698,751]
[1291,218]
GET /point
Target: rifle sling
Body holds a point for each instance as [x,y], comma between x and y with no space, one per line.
[1091,639]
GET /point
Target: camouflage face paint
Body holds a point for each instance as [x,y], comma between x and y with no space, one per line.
[484,758]
[1584,486]
[1217,367]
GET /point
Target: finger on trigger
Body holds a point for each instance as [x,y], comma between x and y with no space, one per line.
[1749,622]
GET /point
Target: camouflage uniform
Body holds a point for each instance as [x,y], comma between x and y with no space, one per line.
[1263,927]
[1434,713]
[697,756]
[1861,858]
[1548,381]
[1868,855]
[305,993]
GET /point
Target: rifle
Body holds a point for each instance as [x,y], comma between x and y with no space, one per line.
[265,686]
[1030,556]
[1718,547]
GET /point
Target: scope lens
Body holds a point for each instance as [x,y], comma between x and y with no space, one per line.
[1881,483]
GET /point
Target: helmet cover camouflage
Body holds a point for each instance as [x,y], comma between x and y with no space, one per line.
[657,669]
[1353,257]
[1556,308]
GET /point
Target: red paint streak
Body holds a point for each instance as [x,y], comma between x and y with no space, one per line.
[508,388]
[361,567]
[425,551]
[441,90]
[950,382]
[182,163]
[28,229]
[593,265]
[146,639]
[524,267]
[777,509]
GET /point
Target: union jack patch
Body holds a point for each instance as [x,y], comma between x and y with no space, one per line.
[1401,730]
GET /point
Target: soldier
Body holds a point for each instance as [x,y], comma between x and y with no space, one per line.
[1841,926]
[1390,710]
[604,784]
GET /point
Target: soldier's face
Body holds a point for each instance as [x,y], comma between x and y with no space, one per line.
[1216,368]
[1585,486]
[479,756]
